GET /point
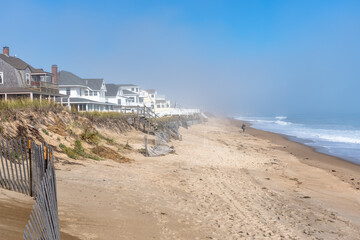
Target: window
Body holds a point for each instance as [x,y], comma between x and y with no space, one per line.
[1,78]
[131,99]
[95,93]
[86,92]
[132,89]
[27,78]
[152,95]
[68,91]
[119,101]
[137,89]
[91,93]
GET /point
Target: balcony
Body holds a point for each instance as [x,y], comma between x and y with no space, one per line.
[45,87]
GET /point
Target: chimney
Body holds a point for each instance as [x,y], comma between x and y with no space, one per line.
[54,70]
[6,51]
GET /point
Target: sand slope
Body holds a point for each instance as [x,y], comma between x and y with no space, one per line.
[220,184]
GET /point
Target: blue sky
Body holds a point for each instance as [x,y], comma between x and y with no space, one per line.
[265,57]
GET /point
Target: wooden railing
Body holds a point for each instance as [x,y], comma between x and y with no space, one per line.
[44,86]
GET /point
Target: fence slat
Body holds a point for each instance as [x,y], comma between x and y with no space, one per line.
[17,159]
[12,168]
[27,227]
[4,182]
[39,216]
[32,229]
[7,168]
[22,165]
[25,172]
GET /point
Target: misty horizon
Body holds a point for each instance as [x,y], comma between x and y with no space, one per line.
[223,57]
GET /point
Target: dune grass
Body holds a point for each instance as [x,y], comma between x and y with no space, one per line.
[20,104]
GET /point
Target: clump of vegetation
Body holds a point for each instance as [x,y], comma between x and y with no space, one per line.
[142,151]
[78,151]
[45,131]
[104,115]
[90,135]
[108,153]
[127,146]
[110,141]
[81,151]
[59,127]
[69,151]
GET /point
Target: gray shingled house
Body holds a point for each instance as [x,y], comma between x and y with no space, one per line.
[19,79]
[85,94]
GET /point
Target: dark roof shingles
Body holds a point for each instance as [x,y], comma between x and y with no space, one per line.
[68,78]
[20,64]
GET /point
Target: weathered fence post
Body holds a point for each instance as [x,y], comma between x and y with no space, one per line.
[46,158]
[30,171]
[146,148]
[138,118]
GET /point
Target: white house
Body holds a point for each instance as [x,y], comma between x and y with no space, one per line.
[149,96]
[84,94]
[132,93]
[114,94]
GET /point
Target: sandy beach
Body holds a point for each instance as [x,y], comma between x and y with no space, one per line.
[220,184]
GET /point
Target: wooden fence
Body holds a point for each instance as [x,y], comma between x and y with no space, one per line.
[29,168]
[15,157]
[44,219]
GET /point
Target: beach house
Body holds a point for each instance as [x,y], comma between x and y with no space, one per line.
[149,96]
[114,94]
[161,104]
[84,94]
[132,93]
[19,79]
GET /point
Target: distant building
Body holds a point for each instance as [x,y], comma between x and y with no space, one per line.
[149,96]
[132,93]
[19,79]
[85,94]
[161,104]
[114,94]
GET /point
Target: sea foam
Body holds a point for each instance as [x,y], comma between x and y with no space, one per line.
[337,139]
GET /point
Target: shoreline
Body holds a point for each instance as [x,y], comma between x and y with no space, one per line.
[343,169]
[219,184]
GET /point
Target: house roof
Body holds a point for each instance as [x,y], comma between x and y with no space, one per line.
[151,91]
[94,83]
[128,92]
[126,85]
[83,100]
[112,89]
[67,78]
[20,64]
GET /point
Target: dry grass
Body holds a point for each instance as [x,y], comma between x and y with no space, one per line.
[108,153]
[59,127]
[35,104]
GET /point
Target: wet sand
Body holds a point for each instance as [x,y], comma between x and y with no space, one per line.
[343,169]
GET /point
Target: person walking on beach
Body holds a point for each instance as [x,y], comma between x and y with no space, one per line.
[243,127]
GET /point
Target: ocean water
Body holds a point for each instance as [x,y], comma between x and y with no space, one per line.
[331,134]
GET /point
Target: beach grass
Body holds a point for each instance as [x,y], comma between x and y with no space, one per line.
[14,104]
